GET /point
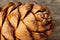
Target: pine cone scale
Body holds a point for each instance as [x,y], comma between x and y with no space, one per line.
[28,21]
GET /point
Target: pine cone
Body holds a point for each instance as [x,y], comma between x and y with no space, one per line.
[25,21]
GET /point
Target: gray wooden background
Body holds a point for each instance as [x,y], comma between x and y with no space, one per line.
[54,6]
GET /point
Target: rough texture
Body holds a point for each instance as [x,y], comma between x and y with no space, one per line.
[25,21]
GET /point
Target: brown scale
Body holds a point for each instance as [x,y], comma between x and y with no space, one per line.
[25,21]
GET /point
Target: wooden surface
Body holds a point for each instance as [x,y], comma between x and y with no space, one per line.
[54,6]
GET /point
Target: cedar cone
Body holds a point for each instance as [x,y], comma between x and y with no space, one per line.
[25,21]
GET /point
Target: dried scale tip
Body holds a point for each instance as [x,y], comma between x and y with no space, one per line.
[25,21]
